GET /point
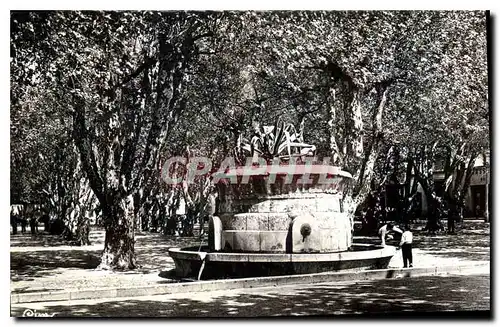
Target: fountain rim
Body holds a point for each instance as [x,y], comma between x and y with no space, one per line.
[296,170]
[372,252]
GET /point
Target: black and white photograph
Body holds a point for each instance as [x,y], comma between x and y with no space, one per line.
[250,164]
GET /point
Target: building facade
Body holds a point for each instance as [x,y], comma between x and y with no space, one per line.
[477,198]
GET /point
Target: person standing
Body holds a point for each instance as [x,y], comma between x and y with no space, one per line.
[13,223]
[406,247]
[33,225]
[24,222]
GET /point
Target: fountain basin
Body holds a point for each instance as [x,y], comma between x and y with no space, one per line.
[188,262]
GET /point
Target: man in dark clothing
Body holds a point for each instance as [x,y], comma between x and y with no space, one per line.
[45,219]
[13,223]
[24,222]
[33,225]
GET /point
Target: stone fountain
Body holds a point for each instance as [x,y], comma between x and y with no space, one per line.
[287,219]
[274,226]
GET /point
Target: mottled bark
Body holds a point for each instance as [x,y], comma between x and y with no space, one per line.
[347,139]
[424,173]
[119,238]
[354,126]
[84,146]
[196,207]
[410,188]
[457,198]
[457,177]
[78,220]
[69,197]
[467,178]
[337,155]
[116,206]
[167,108]
[364,174]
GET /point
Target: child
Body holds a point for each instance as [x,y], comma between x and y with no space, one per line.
[386,229]
[405,244]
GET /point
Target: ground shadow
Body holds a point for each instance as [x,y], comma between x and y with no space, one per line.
[153,257]
[29,265]
[472,243]
[44,239]
[395,296]
[46,258]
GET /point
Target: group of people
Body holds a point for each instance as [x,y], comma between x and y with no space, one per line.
[19,216]
[405,243]
[23,221]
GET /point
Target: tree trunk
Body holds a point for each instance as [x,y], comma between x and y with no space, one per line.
[119,242]
[77,227]
[109,147]
[465,186]
[453,213]
[410,189]
[455,195]
[337,158]
[424,173]
[432,214]
[364,174]
[83,232]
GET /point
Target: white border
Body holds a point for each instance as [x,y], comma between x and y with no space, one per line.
[212,5]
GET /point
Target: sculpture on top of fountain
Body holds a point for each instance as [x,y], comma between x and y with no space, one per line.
[281,141]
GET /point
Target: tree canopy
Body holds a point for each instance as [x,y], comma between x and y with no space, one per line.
[99,100]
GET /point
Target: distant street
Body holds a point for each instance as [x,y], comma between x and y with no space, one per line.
[395,296]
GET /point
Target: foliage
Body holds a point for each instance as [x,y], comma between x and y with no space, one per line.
[101,99]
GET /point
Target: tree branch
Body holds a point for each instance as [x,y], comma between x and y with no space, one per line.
[81,139]
[148,63]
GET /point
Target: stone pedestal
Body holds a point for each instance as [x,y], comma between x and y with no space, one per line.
[273,215]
